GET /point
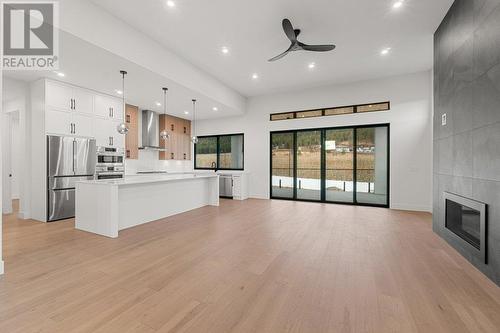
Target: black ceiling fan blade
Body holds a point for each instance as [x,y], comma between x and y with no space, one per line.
[280,55]
[288,29]
[317,48]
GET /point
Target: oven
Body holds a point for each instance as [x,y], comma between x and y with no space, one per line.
[110,163]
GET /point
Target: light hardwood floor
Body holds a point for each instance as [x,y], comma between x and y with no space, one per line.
[246,266]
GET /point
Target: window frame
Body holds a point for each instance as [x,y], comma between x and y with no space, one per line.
[218,136]
[354,107]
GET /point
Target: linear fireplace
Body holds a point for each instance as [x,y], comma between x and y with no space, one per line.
[465,220]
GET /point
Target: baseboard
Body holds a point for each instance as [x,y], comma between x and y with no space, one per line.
[416,208]
[1,267]
[258,197]
[23,215]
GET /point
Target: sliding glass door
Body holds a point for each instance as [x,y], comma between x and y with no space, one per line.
[308,154]
[371,165]
[282,165]
[339,151]
[339,165]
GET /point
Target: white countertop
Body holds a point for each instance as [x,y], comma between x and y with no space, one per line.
[150,178]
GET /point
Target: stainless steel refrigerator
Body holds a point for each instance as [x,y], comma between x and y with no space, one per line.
[68,160]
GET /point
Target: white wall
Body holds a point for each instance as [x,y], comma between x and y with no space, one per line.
[1,182]
[114,35]
[16,99]
[410,118]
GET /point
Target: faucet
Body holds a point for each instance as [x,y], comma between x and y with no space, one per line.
[214,166]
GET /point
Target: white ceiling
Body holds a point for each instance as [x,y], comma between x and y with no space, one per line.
[92,67]
[197,29]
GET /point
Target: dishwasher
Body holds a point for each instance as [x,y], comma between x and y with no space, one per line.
[226,186]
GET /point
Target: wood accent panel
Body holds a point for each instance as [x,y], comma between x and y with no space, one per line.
[178,147]
[246,266]
[132,137]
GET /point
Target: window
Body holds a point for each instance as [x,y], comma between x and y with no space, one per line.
[309,114]
[338,110]
[341,110]
[282,116]
[373,107]
[206,153]
[219,152]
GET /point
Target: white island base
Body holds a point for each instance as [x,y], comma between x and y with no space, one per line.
[105,207]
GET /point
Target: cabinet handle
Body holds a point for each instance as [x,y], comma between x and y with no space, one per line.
[74,104]
[112,112]
[109,111]
[172,127]
[71,128]
[184,155]
[172,155]
[128,118]
[184,129]
[128,153]
[74,128]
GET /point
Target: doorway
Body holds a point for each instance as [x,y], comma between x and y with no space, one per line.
[347,165]
[10,160]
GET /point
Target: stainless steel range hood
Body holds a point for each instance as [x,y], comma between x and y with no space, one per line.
[150,131]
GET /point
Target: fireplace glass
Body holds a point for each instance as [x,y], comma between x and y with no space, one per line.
[464,221]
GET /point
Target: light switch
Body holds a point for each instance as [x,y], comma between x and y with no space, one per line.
[443,119]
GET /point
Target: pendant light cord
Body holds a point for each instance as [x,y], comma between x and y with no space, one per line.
[194,118]
[123,94]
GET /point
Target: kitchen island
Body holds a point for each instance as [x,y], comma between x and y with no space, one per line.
[105,207]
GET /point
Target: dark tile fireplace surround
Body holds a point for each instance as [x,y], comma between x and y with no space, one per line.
[467,146]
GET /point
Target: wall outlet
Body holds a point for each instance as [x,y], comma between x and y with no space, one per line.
[443,119]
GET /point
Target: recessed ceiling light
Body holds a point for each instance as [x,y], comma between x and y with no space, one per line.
[397,4]
[186,112]
[119,92]
[385,51]
[60,74]
[170,3]
[215,108]
[158,104]
[224,49]
[255,76]
[312,65]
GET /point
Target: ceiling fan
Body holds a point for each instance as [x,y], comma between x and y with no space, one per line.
[295,45]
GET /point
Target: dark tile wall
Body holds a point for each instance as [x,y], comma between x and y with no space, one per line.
[467,89]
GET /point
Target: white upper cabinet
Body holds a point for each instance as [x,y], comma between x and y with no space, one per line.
[83,101]
[108,107]
[58,122]
[67,98]
[70,110]
[59,96]
[105,133]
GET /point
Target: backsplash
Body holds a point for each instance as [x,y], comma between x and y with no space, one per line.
[149,161]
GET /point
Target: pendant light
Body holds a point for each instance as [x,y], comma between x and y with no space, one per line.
[122,127]
[194,138]
[164,134]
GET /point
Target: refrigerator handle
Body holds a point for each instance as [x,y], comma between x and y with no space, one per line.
[74,155]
